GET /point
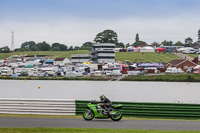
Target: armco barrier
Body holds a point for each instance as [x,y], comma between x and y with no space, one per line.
[37,106]
[152,110]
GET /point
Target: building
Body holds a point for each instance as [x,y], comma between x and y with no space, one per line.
[61,61]
[181,63]
[80,58]
[103,53]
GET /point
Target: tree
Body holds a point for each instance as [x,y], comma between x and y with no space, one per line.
[63,47]
[167,43]
[178,43]
[28,45]
[120,45]
[107,36]
[34,48]
[87,44]
[59,47]
[55,49]
[137,38]
[71,48]
[43,46]
[188,42]
[76,48]
[139,43]
[5,49]
[127,45]
[155,43]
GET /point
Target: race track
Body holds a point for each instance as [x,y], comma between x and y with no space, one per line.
[106,123]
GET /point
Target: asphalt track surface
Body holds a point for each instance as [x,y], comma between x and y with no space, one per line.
[101,123]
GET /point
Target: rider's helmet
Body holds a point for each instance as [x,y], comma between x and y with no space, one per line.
[102,97]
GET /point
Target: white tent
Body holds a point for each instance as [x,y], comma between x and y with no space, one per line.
[147,49]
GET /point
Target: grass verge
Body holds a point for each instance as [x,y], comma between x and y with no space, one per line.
[53,54]
[81,117]
[103,78]
[170,78]
[84,130]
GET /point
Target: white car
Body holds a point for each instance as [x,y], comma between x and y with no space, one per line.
[116,73]
[71,74]
[108,73]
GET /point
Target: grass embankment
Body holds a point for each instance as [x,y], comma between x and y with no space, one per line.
[53,54]
[84,130]
[193,55]
[170,78]
[119,56]
[104,78]
[145,57]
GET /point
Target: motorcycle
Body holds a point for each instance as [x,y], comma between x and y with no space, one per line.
[96,110]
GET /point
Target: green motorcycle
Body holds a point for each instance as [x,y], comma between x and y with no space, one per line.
[96,110]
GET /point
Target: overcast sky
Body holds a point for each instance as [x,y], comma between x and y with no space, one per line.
[73,22]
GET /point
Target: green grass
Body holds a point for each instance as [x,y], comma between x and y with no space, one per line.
[81,117]
[145,57]
[193,55]
[120,56]
[169,77]
[53,54]
[84,130]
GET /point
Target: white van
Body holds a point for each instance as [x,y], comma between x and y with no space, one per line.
[173,70]
[6,72]
[97,73]
[116,73]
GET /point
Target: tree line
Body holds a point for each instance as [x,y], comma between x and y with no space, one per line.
[107,36]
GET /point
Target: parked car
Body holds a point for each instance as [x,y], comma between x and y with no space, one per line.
[173,70]
[79,74]
[108,73]
[24,73]
[189,51]
[138,71]
[6,72]
[143,72]
[116,73]
[190,70]
[97,73]
[71,74]
[197,52]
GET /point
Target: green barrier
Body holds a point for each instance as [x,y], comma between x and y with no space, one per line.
[152,110]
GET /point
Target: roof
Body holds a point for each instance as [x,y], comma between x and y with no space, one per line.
[80,55]
[59,59]
[147,48]
[178,61]
[175,62]
[49,60]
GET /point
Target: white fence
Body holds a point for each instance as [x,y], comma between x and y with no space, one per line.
[37,106]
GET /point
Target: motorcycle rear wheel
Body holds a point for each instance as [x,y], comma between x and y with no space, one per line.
[88,115]
[117,116]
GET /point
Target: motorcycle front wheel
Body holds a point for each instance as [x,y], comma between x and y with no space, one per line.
[88,115]
[117,116]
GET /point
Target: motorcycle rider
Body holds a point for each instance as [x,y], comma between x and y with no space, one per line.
[106,103]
